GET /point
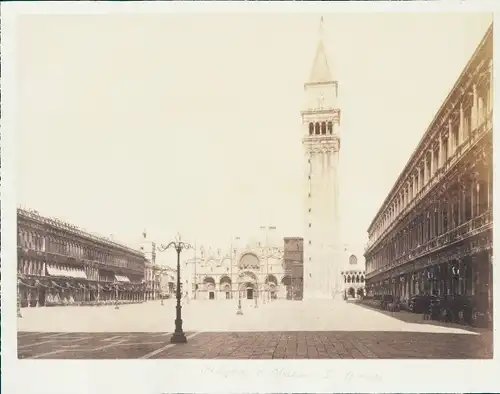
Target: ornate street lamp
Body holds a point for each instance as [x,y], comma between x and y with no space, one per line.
[178,245]
[239,311]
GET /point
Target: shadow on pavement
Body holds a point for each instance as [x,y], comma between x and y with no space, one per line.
[417,318]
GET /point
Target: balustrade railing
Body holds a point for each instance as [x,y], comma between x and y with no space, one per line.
[436,178]
[465,230]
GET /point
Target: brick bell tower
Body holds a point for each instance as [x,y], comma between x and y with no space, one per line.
[321,142]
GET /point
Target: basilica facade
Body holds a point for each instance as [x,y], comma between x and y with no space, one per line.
[252,272]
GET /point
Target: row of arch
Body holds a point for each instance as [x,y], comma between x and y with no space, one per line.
[354,279]
[320,128]
[270,279]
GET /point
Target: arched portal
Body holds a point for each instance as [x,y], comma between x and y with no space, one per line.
[271,279]
[351,292]
[286,281]
[247,285]
[248,290]
[209,282]
[226,287]
[209,286]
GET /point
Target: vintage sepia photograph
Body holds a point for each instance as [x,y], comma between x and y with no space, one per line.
[254,186]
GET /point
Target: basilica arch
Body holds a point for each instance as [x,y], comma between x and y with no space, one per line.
[248,285]
[226,287]
[287,290]
[209,287]
[249,261]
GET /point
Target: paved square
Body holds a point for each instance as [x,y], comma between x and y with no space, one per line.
[278,330]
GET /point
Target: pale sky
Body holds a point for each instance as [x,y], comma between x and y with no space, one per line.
[191,122]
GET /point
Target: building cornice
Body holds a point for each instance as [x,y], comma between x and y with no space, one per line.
[59,225]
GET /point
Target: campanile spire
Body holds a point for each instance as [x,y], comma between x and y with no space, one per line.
[320,71]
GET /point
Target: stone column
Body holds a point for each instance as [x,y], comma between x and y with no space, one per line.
[472,262]
[426,174]
[488,186]
[460,204]
[432,162]
[477,188]
[440,217]
[440,157]
[474,117]
[461,125]
[480,111]
[472,199]
[450,138]
[490,88]
[449,213]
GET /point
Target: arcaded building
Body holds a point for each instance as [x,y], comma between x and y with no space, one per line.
[353,274]
[433,233]
[60,264]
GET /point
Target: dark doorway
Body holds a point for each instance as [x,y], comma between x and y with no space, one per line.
[211,295]
[352,294]
[228,295]
[249,294]
[41,297]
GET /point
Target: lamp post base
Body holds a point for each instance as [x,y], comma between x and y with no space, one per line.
[239,311]
[178,337]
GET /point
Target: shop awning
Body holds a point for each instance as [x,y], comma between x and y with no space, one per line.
[68,273]
[121,278]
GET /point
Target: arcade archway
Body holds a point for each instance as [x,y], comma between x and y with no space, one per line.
[209,287]
[248,285]
[226,287]
[287,287]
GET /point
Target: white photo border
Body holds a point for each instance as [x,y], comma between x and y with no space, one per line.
[218,376]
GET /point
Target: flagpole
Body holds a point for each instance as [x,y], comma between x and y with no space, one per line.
[195,277]
[231,264]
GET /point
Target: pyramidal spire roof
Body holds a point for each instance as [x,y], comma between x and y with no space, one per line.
[320,71]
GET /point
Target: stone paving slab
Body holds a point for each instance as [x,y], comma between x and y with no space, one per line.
[89,345]
[321,345]
[257,345]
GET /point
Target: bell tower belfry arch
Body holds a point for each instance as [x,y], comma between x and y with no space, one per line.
[321,142]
